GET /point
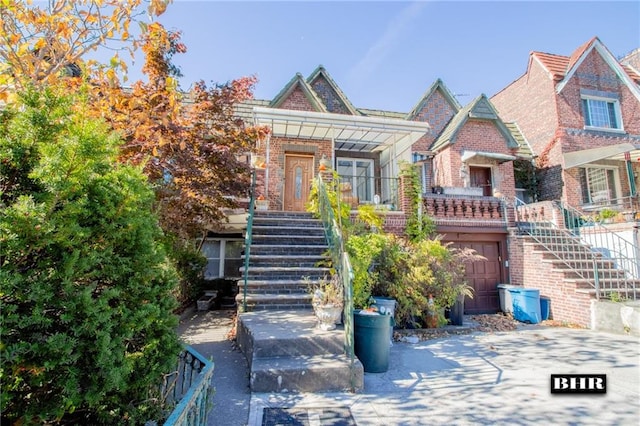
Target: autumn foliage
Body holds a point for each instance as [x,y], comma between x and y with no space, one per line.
[188,144]
[88,169]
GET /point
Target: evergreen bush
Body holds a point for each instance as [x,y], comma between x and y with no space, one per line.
[85,286]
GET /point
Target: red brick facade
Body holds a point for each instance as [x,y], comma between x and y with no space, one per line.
[554,123]
[530,269]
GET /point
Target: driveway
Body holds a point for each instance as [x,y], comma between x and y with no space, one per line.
[481,378]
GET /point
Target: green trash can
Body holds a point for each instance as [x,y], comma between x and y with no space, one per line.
[371,337]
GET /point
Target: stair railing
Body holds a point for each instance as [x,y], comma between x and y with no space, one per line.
[624,253]
[340,261]
[563,232]
[248,238]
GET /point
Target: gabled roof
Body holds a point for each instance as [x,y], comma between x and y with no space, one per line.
[381,113]
[524,148]
[439,86]
[562,68]
[479,108]
[322,72]
[298,81]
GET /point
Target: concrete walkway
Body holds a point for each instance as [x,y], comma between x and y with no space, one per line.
[482,378]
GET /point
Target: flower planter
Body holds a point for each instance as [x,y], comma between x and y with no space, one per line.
[328,316]
[262,205]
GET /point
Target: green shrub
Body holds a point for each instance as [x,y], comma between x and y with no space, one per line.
[86,289]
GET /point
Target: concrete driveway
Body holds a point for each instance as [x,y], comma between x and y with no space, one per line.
[481,378]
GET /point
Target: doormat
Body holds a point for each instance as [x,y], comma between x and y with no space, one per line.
[335,416]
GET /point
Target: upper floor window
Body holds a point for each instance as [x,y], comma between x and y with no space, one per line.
[601,113]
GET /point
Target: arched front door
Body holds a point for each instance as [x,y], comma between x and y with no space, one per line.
[297,181]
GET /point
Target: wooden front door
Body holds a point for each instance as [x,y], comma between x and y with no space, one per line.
[480,177]
[298,173]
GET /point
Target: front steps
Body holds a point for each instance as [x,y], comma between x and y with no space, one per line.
[577,262]
[286,255]
[287,353]
[277,330]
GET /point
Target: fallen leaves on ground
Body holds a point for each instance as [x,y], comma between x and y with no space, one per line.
[494,323]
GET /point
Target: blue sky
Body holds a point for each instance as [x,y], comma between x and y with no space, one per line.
[385,55]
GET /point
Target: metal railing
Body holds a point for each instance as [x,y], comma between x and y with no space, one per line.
[629,203]
[189,388]
[332,224]
[248,239]
[595,255]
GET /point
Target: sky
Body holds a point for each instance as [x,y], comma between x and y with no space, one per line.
[386,54]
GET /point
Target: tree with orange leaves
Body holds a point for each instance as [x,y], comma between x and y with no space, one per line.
[188,144]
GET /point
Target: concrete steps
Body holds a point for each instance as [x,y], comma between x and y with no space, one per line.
[288,353]
[575,260]
[286,255]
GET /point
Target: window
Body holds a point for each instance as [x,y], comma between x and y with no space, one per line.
[601,113]
[600,185]
[359,172]
[224,257]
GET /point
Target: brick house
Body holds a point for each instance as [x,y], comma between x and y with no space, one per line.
[466,156]
[581,115]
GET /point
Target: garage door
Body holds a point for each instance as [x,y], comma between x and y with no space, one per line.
[484,277]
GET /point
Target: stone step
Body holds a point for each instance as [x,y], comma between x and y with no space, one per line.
[287,225]
[285,272]
[320,373]
[288,353]
[287,221]
[281,250]
[288,230]
[300,261]
[302,239]
[605,283]
[275,302]
[274,214]
[624,293]
[277,286]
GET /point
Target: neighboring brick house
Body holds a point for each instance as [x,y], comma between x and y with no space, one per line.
[581,115]
[466,153]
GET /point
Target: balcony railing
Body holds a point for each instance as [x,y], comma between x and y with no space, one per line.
[463,209]
[188,389]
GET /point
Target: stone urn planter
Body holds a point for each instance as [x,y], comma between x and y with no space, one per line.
[327,302]
[328,316]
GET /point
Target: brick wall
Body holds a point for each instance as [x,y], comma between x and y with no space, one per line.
[297,101]
[438,113]
[553,124]
[530,101]
[329,97]
[530,270]
[595,74]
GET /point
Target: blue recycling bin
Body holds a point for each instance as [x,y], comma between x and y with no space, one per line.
[545,307]
[526,304]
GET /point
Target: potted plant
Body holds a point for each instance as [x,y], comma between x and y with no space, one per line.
[327,301]
[262,203]
[606,215]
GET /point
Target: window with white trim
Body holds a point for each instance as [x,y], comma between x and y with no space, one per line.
[359,172]
[600,185]
[601,113]
[224,257]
